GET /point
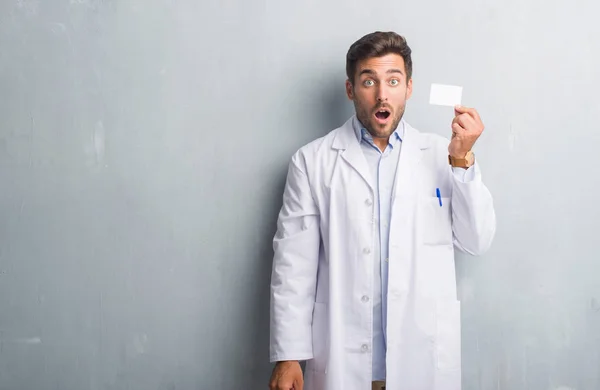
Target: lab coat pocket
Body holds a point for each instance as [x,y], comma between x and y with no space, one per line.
[448,340]
[320,338]
[436,221]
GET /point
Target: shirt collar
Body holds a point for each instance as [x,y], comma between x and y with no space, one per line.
[362,133]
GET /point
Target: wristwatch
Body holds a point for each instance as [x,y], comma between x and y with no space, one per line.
[465,162]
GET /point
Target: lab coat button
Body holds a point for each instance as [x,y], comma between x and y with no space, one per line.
[365,298]
[368,202]
[366,251]
[365,347]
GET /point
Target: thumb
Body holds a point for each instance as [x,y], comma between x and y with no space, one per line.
[458,110]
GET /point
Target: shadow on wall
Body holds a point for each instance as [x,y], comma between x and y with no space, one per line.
[336,108]
[258,369]
[329,108]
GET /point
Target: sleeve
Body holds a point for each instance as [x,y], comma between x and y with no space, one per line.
[464,175]
[294,273]
[473,215]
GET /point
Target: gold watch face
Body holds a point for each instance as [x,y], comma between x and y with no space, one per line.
[470,157]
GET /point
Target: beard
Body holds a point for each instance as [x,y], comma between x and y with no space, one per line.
[377,130]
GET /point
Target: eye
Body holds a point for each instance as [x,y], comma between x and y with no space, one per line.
[394,82]
[368,83]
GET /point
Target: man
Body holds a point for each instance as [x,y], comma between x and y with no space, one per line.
[363,284]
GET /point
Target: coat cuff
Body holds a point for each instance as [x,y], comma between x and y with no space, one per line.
[466,175]
[280,358]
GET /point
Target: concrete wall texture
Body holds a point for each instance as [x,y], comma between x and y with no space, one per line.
[143,152]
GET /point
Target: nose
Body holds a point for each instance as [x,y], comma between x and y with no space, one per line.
[381,95]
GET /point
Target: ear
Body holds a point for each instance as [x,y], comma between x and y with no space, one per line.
[409,88]
[349,90]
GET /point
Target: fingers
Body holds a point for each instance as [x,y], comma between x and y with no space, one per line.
[288,383]
[286,376]
[298,382]
[465,121]
[457,130]
[284,385]
[467,110]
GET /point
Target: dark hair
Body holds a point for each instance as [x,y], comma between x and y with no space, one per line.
[378,44]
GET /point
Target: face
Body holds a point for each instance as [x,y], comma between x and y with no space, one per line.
[379,92]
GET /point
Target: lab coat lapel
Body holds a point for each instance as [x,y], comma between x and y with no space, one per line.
[410,158]
[351,152]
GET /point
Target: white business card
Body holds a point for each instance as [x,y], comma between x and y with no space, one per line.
[445,95]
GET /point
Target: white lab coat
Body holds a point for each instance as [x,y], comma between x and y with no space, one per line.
[322,268]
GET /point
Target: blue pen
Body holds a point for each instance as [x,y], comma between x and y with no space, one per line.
[439,196]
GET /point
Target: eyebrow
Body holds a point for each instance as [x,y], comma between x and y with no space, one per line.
[371,72]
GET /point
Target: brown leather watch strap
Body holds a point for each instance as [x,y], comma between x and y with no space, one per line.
[462,162]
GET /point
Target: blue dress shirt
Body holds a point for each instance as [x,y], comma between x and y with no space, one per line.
[382,169]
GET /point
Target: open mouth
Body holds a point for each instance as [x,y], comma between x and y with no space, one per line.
[382,115]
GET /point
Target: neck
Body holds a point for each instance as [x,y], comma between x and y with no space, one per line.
[381,142]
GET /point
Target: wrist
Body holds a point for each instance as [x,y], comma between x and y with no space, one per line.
[459,154]
[465,160]
[283,362]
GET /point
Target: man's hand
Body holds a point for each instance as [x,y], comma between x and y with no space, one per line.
[287,376]
[466,128]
